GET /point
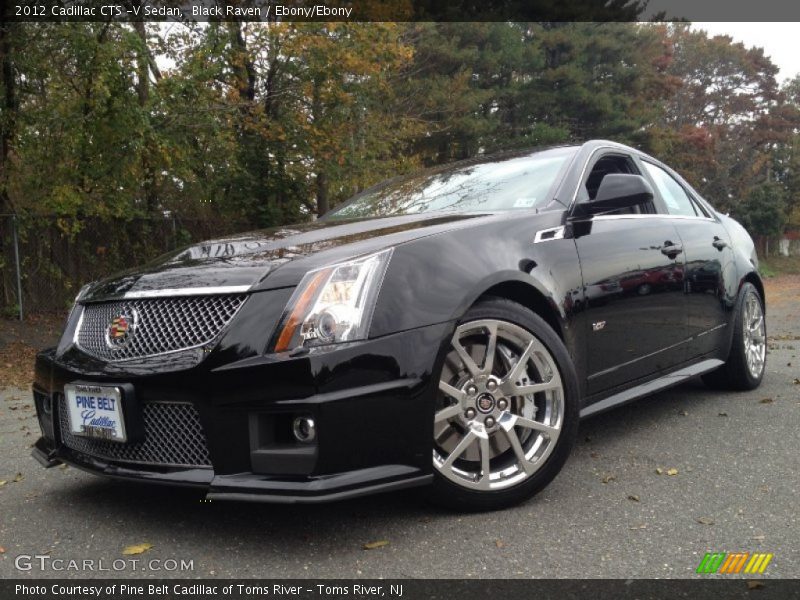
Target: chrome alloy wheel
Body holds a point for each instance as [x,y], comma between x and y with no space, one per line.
[500,408]
[754,330]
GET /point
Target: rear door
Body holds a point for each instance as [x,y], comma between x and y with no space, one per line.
[633,269]
[709,260]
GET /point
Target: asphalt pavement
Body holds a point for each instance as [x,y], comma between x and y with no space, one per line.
[615,511]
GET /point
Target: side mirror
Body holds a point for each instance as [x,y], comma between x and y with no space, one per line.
[616,191]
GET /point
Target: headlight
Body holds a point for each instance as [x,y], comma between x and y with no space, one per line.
[333,304]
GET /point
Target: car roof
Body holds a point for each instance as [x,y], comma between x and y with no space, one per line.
[589,145]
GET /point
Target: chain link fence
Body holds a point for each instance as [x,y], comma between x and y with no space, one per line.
[44,260]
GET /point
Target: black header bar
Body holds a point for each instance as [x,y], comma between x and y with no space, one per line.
[399,10]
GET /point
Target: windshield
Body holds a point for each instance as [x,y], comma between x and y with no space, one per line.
[514,183]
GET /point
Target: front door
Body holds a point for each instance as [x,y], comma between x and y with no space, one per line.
[633,268]
[636,318]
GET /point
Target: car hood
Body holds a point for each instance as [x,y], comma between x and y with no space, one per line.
[259,259]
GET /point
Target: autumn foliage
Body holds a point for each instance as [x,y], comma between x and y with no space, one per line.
[269,123]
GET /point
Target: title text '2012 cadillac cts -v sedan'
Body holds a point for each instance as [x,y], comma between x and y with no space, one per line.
[447,329]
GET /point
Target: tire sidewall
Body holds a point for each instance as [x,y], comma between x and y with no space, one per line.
[739,337]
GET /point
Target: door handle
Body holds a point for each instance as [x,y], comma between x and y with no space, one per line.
[719,244]
[671,250]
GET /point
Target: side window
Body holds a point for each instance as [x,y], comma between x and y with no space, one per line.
[613,163]
[675,197]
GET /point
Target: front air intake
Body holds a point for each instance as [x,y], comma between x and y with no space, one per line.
[173,437]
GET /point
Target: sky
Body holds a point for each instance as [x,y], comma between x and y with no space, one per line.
[779,41]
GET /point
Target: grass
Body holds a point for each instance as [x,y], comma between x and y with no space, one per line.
[773,266]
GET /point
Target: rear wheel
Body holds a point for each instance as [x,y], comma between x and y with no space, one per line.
[747,360]
[507,410]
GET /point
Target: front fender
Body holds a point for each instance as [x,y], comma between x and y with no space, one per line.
[522,279]
[436,279]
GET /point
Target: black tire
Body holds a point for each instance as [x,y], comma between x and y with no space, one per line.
[453,496]
[735,373]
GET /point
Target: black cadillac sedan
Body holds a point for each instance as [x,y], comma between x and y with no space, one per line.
[446,329]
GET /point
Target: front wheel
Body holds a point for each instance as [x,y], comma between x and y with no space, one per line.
[747,360]
[507,410]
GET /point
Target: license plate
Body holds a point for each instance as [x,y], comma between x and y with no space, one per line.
[95,411]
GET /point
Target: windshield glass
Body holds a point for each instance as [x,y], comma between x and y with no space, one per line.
[514,183]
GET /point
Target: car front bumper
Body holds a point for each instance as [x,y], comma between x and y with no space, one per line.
[226,428]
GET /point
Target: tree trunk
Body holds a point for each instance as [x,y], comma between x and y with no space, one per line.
[242,65]
[250,146]
[8,114]
[8,121]
[149,192]
[323,204]
[143,74]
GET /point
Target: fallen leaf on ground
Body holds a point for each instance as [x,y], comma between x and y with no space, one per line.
[2,550]
[374,545]
[659,470]
[18,477]
[754,585]
[136,549]
[723,414]
[3,482]
[672,471]
[766,401]
[796,381]
[633,497]
[705,520]
[499,543]
[608,478]
[16,364]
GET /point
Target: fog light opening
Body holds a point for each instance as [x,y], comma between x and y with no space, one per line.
[304,430]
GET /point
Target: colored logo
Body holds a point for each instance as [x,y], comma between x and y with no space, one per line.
[120,330]
[485,403]
[734,562]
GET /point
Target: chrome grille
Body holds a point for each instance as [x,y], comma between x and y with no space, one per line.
[173,437]
[159,325]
